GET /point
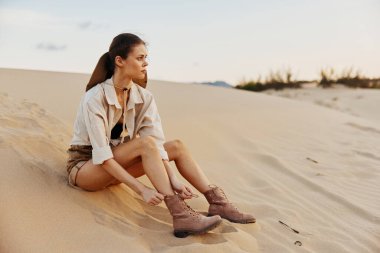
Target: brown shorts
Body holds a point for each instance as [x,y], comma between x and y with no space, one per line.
[78,156]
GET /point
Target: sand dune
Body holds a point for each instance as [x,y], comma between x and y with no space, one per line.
[357,102]
[294,164]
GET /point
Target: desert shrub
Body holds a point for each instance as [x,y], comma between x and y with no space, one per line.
[348,77]
[327,77]
[276,80]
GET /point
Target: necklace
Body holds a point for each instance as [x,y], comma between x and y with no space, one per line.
[120,88]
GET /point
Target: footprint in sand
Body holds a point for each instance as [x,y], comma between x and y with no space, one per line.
[367,155]
[363,128]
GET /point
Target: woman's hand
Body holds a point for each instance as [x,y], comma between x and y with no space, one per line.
[151,196]
[183,190]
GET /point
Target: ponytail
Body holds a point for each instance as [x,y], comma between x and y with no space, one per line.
[105,69]
[101,72]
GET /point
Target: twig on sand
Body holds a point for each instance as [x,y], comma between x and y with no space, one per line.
[295,231]
[314,161]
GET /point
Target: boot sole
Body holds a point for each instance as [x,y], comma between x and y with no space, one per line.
[236,221]
[185,233]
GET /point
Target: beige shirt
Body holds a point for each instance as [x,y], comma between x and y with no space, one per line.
[99,111]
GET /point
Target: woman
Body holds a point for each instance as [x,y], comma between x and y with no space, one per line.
[118,137]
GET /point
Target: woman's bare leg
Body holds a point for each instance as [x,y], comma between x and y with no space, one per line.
[94,177]
[136,170]
[186,165]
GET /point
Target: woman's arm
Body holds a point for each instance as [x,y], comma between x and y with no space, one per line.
[169,170]
[151,126]
[184,191]
[95,119]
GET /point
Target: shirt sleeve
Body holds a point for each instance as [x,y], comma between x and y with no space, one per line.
[151,126]
[94,117]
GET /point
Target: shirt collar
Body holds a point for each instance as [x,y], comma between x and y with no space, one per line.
[134,95]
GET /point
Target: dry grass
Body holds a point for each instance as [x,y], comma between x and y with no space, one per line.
[276,80]
[284,79]
[349,77]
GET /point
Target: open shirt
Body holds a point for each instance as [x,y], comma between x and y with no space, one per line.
[99,111]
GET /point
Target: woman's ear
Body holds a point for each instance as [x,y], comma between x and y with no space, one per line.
[119,61]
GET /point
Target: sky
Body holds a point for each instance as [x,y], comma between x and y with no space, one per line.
[196,40]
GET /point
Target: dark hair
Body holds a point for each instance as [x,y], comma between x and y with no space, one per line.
[121,45]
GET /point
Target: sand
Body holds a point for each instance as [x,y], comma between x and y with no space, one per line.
[315,169]
[358,102]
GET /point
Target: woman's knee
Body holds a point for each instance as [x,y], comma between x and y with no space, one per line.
[148,144]
[175,148]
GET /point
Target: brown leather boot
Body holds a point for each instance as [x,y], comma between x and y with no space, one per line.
[219,204]
[186,221]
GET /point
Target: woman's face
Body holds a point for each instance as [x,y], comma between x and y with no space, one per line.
[135,66]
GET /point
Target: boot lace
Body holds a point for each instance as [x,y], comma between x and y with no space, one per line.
[220,190]
[188,208]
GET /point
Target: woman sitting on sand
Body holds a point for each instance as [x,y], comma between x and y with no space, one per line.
[118,137]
